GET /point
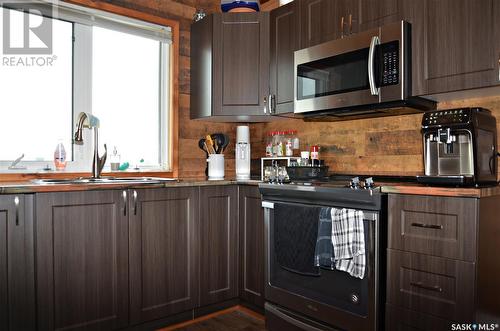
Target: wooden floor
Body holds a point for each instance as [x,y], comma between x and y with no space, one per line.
[232,319]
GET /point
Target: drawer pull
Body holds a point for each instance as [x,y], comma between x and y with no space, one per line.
[434,288]
[427,226]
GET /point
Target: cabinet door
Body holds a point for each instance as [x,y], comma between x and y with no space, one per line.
[431,225]
[251,245]
[285,39]
[375,13]
[82,260]
[163,259]
[461,44]
[17,280]
[218,243]
[240,64]
[321,20]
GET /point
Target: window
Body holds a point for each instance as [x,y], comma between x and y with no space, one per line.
[113,67]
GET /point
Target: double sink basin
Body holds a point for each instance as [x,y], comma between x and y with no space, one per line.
[103,180]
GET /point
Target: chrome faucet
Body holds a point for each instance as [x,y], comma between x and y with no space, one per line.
[86,120]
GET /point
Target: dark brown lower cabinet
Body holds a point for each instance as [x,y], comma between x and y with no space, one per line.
[82,260]
[163,260]
[218,243]
[441,262]
[17,280]
[398,319]
[251,245]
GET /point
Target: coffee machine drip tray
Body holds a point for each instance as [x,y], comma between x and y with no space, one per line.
[446,180]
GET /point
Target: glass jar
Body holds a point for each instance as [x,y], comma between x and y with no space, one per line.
[269,143]
[289,143]
[281,143]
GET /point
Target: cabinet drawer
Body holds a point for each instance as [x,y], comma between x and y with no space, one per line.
[439,226]
[432,285]
[398,319]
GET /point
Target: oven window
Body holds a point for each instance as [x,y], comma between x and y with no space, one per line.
[332,287]
[336,74]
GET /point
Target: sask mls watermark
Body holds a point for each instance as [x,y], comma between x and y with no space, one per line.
[27,34]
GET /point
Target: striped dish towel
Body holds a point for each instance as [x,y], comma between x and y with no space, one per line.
[348,239]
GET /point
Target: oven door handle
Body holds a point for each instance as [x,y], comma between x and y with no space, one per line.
[371,66]
[267,204]
[289,319]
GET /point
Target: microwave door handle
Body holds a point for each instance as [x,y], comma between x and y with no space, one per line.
[371,66]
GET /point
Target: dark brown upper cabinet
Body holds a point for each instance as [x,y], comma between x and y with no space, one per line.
[285,40]
[325,20]
[218,244]
[17,277]
[374,13]
[82,260]
[455,44]
[163,225]
[230,67]
[251,245]
[461,44]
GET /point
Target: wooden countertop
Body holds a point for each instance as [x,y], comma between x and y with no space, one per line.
[419,189]
[31,187]
[395,188]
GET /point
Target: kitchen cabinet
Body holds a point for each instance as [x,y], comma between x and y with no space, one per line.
[325,20]
[230,67]
[251,218]
[163,225]
[374,13]
[456,43]
[285,39]
[17,278]
[440,269]
[82,260]
[460,44]
[218,243]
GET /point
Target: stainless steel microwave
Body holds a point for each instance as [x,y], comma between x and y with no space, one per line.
[357,74]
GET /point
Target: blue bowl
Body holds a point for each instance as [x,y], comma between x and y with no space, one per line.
[239,4]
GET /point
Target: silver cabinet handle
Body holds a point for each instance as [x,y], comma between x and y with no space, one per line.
[371,66]
[350,23]
[342,27]
[265,105]
[499,67]
[135,202]
[427,226]
[124,195]
[272,103]
[16,204]
[434,288]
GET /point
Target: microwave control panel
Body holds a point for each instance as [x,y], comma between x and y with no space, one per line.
[390,63]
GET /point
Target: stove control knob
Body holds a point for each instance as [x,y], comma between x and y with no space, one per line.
[369,183]
[354,298]
[354,183]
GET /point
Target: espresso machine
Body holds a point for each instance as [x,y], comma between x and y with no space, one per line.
[460,147]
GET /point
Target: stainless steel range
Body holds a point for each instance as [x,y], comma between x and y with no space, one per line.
[331,299]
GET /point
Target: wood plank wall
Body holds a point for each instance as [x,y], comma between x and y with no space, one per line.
[388,145]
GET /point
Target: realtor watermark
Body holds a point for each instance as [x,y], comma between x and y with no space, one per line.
[27,34]
[475,326]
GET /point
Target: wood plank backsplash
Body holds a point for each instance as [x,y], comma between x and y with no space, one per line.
[386,145]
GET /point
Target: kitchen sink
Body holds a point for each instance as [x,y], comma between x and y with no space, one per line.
[103,180]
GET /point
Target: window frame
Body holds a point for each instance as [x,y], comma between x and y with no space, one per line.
[171,115]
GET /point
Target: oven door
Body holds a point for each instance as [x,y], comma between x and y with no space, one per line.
[334,298]
[364,69]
